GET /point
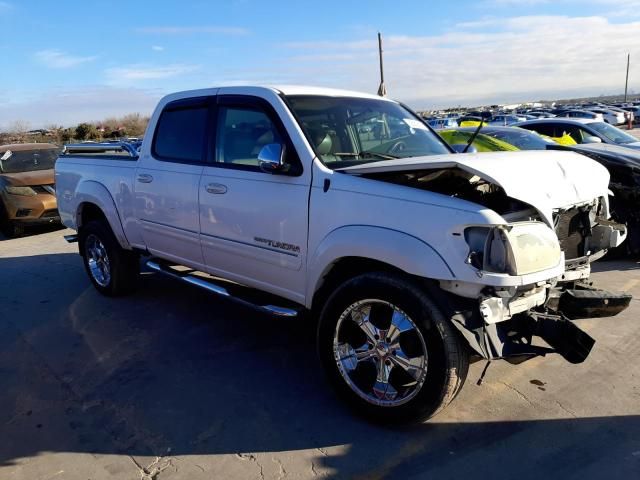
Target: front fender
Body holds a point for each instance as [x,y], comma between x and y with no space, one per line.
[396,248]
[93,192]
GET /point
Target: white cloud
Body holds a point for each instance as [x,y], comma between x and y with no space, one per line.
[57,59]
[529,57]
[69,107]
[177,30]
[516,3]
[611,8]
[157,48]
[130,74]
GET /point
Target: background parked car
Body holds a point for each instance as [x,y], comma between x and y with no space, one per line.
[611,116]
[27,192]
[481,143]
[582,131]
[506,119]
[439,123]
[518,138]
[582,114]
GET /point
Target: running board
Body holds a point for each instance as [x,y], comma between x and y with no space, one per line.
[210,286]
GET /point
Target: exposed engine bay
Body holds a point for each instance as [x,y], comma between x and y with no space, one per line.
[583,230]
[459,183]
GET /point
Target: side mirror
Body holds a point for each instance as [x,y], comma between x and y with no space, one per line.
[459,148]
[591,139]
[271,158]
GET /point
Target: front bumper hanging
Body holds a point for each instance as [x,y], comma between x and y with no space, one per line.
[588,302]
[514,340]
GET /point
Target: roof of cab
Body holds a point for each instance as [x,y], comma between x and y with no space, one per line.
[284,89]
[330,92]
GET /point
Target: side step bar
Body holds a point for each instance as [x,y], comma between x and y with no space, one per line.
[71,238]
[218,290]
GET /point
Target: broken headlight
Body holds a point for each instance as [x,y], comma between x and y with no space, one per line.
[515,249]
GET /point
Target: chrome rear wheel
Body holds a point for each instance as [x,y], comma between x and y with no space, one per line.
[97,260]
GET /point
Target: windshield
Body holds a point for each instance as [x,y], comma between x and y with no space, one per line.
[523,139]
[27,160]
[348,131]
[612,134]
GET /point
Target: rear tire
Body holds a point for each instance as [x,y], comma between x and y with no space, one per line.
[426,364]
[112,269]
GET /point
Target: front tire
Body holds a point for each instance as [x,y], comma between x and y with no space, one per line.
[388,350]
[112,269]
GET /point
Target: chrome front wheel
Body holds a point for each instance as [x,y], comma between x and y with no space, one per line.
[380,352]
[388,350]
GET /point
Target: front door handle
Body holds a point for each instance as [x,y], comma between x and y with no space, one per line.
[217,188]
[145,178]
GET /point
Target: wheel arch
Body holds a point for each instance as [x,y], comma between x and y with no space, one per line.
[352,250]
[96,203]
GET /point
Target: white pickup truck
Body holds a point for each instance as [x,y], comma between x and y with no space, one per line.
[413,259]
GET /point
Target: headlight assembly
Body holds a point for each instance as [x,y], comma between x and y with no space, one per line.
[24,191]
[514,249]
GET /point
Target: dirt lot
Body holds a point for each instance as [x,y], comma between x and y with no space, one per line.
[174,384]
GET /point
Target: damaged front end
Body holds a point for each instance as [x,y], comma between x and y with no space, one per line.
[518,324]
[525,279]
[585,234]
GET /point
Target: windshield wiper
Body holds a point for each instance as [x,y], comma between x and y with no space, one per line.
[365,154]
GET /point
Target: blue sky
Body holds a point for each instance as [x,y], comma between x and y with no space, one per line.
[71,61]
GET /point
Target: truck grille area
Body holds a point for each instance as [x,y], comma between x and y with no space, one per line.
[573,226]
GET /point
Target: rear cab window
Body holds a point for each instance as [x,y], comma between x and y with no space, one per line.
[181,132]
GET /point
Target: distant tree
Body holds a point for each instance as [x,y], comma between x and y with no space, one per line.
[19,127]
[85,131]
[134,124]
[66,135]
[94,134]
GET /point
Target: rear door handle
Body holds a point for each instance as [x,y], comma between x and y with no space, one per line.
[216,188]
[145,178]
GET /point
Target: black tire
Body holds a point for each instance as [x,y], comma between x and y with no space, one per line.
[448,358]
[9,228]
[123,265]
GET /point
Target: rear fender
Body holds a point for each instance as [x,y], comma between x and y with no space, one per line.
[91,192]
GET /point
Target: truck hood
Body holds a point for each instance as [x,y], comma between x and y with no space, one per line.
[546,180]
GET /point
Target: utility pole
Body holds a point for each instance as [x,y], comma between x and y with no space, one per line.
[382,90]
[626,83]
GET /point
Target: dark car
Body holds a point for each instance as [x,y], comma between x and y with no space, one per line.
[624,167]
[582,131]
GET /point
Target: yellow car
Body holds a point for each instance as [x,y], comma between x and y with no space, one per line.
[27,191]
